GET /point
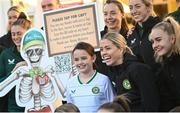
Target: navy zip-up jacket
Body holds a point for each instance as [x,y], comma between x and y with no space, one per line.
[139,43]
[137,82]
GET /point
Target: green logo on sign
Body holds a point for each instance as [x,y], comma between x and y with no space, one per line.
[126,84]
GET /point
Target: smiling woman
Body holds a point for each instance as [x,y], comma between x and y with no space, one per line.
[142,13]
[18,29]
[114,18]
[11,56]
[131,78]
[165,38]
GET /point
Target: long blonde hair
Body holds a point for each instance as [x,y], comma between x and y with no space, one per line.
[171,27]
[118,40]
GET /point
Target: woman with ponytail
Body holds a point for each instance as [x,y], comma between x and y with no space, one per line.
[130,78]
[11,56]
[165,38]
[13,13]
[142,12]
[115,21]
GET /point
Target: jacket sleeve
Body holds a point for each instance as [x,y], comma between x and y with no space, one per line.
[3,74]
[144,80]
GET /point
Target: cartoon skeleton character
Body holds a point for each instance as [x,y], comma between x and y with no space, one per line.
[35,83]
[40,83]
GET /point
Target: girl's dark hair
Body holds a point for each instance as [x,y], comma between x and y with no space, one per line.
[69,107]
[87,47]
[112,107]
[124,25]
[120,104]
[123,101]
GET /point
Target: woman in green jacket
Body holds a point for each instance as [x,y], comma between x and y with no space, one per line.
[11,56]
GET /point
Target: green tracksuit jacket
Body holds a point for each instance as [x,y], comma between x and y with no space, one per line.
[8,59]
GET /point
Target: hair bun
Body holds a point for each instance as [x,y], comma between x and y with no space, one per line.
[23,15]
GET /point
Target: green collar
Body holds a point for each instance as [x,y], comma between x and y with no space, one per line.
[94,74]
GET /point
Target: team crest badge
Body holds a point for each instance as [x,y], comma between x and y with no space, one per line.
[126,84]
[95,90]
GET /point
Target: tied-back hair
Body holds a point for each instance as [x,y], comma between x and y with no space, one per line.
[86,47]
[118,40]
[123,101]
[69,107]
[149,3]
[23,21]
[119,104]
[172,27]
[124,25]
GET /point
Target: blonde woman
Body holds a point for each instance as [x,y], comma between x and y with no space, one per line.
[165,38]
[6,41]
[130,78]
[142,12]
[11,56]
[13,13]
[114,19]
